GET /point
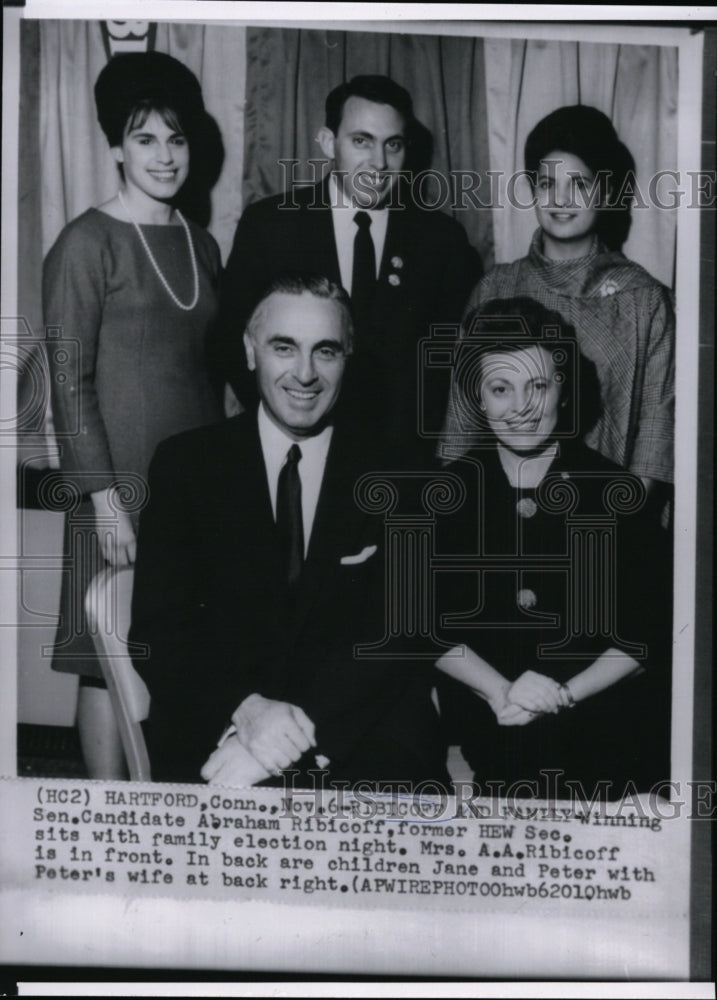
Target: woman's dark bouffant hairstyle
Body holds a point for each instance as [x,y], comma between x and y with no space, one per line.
[508,325]
[133,84]
[589,134]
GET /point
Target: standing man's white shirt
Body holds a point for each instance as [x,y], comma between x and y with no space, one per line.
[345,229]
[275,446]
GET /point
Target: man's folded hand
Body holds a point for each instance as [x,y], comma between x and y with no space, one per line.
[233,766]
[275,733]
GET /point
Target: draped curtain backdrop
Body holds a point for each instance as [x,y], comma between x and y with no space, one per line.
[479,98]
[634,85]
[290,72]
[64,162]
[77,169]
[265,88]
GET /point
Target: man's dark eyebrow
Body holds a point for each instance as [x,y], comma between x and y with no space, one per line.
[281,338]
[334,344]
[370,135]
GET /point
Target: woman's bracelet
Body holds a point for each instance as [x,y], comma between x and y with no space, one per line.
[566,696]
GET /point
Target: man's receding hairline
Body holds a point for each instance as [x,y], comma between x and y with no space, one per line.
[253,321]
[379,104]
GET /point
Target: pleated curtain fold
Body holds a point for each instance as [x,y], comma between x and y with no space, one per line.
[290,73]
[635,85]
[266,87]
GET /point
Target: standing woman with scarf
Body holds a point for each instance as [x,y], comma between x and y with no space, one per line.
[582,177]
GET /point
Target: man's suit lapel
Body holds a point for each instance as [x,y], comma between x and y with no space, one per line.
[322,256]
[245,506]
[393,247]
[246,501]
[337,527]
[395,268]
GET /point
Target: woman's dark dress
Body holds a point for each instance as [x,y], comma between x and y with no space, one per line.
[129,371]
[618,735]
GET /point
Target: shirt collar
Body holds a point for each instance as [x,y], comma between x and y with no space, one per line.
[339,203]
[275,443]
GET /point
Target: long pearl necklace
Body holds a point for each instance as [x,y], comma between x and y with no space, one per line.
[155,265]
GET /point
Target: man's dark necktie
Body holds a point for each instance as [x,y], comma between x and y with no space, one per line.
[289,519]
[363,278]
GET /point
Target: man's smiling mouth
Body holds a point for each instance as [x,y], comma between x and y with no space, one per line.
[302,394]
[163,175]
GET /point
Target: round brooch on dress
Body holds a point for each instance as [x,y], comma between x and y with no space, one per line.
[526,507]
[609,287]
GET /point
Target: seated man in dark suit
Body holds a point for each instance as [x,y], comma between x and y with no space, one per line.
[257,575]
[404,266]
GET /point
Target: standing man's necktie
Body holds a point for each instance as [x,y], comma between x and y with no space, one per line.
[289,519]
[363,279]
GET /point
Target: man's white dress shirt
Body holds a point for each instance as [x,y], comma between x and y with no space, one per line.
[345,229]
[275,445]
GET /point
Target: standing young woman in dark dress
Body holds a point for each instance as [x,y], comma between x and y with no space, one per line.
[134,283]
[566,632]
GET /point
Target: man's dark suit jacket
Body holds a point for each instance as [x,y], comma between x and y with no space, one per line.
[219,623]
[427,272]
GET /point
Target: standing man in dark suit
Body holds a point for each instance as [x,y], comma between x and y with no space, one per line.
[257,575]
[405,267]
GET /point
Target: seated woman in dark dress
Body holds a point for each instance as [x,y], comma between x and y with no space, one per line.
[560,622]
